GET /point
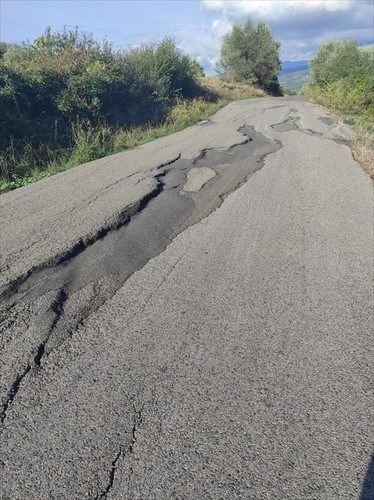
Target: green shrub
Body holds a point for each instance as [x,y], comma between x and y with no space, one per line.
[60,80]
[342,79]
[90,143]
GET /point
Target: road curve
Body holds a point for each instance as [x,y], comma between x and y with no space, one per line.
[225,349]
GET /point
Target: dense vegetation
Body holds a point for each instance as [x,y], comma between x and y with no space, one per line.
[250,54]
[63,96]
[66,99]
[342,78]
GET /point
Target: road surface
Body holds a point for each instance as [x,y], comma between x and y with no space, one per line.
[192,319]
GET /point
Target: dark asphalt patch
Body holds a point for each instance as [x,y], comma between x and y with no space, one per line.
[93,274]
[291,122]
[143,235]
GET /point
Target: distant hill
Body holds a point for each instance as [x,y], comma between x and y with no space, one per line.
[294,80]
[293,66]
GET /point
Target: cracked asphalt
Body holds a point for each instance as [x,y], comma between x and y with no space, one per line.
[193,319]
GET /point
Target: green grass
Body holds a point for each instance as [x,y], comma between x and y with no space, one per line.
[32,164]
[18,182]
[93,143]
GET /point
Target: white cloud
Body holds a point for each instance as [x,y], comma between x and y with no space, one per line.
[204,42]
[301,25]
[273,9]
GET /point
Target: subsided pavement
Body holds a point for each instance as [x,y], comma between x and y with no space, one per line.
[193,318]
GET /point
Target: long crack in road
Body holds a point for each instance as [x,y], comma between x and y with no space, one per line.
[210,337]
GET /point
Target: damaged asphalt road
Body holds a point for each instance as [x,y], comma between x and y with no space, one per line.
[191,319]
[88,275]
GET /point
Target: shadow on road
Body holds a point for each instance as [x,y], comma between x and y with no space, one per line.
[367,492]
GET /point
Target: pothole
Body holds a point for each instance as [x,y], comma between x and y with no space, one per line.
[289,122]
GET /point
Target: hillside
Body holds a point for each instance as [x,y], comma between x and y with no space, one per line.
[295,80]
[229,90]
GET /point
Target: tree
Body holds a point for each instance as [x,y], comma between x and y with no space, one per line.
[342,79]
[64,85]
[250,54]
[336,60]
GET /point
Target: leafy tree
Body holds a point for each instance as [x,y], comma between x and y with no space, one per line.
[164,69]
[197,68]
[3,49]
[342,78]
[250,54]
[335,60]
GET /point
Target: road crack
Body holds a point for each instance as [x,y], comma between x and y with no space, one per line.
[138,419]
[12,393]
[253,146]
[123,218]
[112,474]
[57,307]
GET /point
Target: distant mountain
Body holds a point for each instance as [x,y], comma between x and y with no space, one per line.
[293,66]
[294,80]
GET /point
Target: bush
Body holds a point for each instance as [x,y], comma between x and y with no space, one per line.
[250,54]
[56,92]
[342,78]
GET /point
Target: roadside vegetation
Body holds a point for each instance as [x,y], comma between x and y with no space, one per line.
[66,99]
[230,90]
[342,80]
[250,55]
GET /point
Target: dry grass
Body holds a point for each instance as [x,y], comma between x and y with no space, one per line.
[360,121]
[230,90]
[362,143]
[363,150]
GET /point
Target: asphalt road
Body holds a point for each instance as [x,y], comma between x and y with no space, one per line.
[193,319]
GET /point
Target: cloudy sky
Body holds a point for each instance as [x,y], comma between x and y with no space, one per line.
[197,25]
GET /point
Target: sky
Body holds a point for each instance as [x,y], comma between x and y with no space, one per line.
[197,25]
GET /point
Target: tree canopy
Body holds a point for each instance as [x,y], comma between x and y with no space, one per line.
[250,54]
[340,59]
[342,78]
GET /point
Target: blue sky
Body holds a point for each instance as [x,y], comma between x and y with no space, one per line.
[197,25]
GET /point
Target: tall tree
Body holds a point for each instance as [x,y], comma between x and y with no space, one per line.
[250,54]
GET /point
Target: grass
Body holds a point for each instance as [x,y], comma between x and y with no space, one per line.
[230,90]
[363,148]
[360,119]
[93,143]
[17,182]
